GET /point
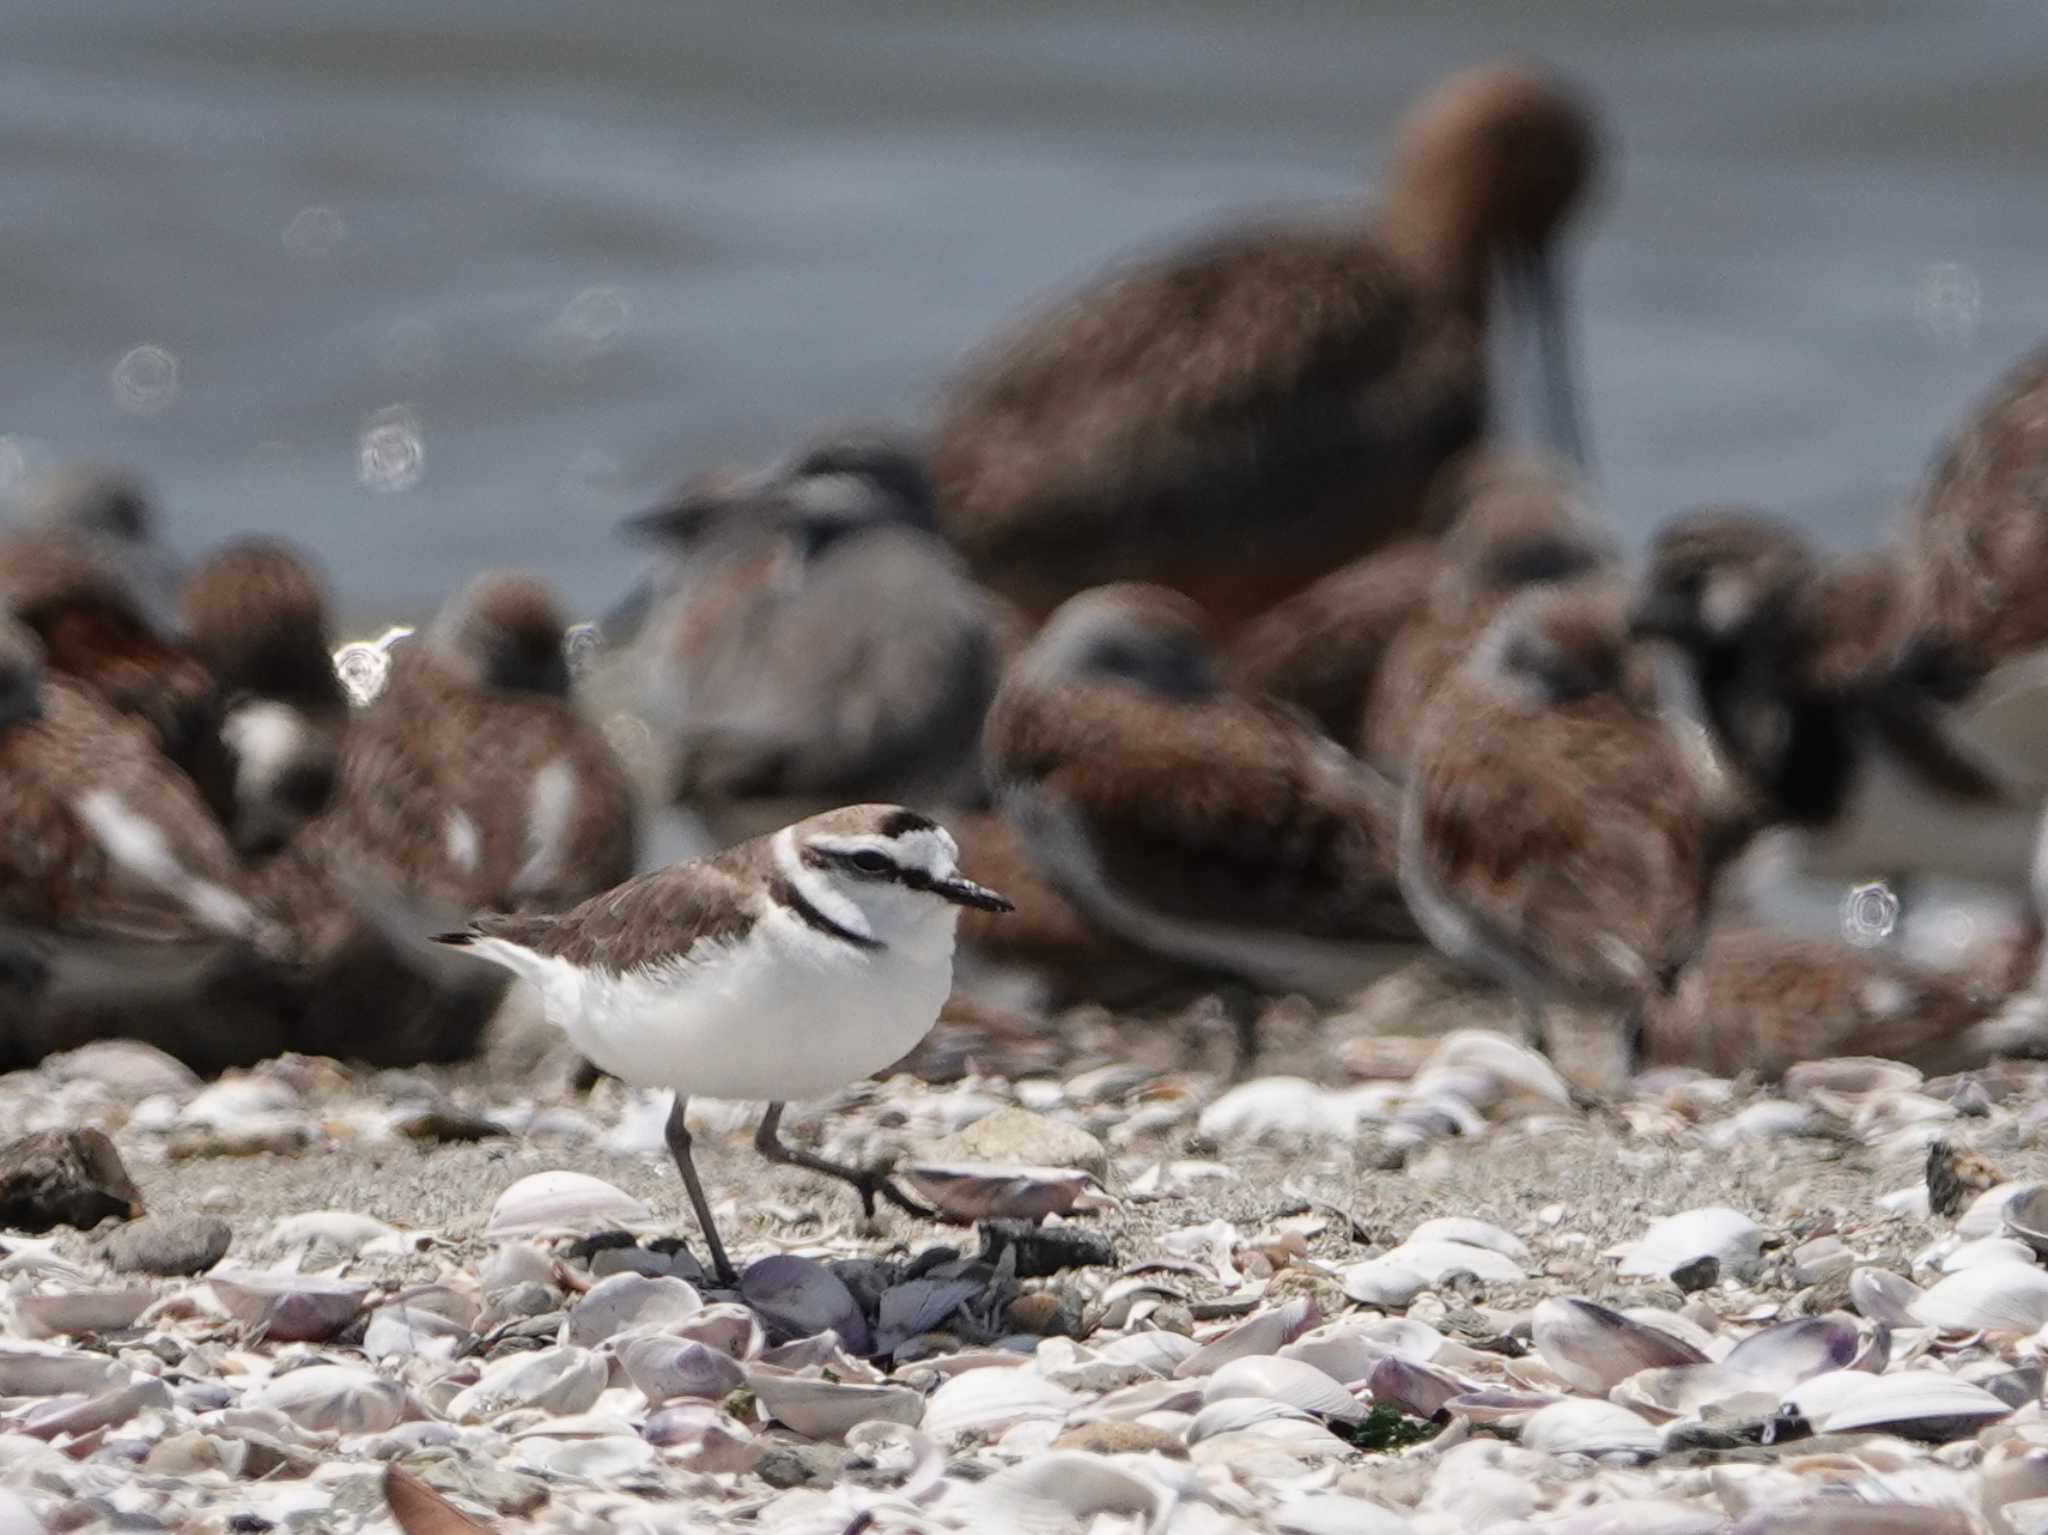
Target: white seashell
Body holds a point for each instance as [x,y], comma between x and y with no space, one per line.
[16,1517]
[332,1399]
[1678,1241]
[1510,1068]
[1284,1380]
[973,1191]
[1597,1429]
[1637,1516]
[1950,1259]
[1914,1404]
[29,1369]
[1154,1350]
[989,1401]
[701,1437]
[1292,1108]
[1770,1119]
[601,1459]
[1595,1349]
[1984,1216]
[341,1233]
[1885,1297]
[1065,1490]
[626,1302]
[562,1202]
[1849,1514]
[1382,1282]
[72,1311]
[1473,1233]
[825,1409]
[404,1332]
[1236,1414]
[287,1306]
[1992,1297]
[1334,1513]
[555,1380]
[1264,1332]
[2013,1474]
[1149,1396]
[665,1368]
[1434,1259]
[69,1415]
[1684,1390]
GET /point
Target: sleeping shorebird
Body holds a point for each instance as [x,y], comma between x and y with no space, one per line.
[98,630]
[806,640]
[1858,764]
[1218,831]
[779,969]
[116,885]
[1240,418]
[1552,837]
[255,614]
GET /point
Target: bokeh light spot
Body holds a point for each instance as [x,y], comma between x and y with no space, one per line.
[391,454]
[145,380]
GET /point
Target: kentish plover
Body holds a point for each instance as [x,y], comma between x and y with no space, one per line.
[1237,419]
[779,969]
[109,510]
[1551,836]
[807,640]
[256,615]
[1219,831]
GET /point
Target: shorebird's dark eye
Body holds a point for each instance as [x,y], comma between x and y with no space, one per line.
[871,862]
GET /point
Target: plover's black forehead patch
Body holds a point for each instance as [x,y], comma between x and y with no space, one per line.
[898,823]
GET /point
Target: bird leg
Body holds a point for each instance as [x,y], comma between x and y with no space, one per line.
[866,1181]
[679,1148]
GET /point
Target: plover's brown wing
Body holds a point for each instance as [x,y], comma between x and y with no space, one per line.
[651,920]
[1420,660]
[1980,529]
[1321,649]
[1569,840]
[1272,400]
[1220,811]
[1756,1000]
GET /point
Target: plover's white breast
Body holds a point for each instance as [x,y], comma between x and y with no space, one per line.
[780,1014]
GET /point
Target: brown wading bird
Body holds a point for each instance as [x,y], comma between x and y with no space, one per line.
[1219,831]
[255,614]
[1552,837]
[1839,740]
[116,885]
[1237,419]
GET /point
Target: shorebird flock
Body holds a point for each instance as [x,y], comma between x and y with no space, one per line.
[1212,628]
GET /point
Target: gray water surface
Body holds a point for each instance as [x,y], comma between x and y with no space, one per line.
[429,286]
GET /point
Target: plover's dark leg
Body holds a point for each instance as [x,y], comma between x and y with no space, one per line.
[679,1148]
[867,1181]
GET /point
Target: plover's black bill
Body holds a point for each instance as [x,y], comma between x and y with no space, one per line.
[964,892]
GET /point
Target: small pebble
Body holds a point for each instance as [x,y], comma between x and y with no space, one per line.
[169,1245]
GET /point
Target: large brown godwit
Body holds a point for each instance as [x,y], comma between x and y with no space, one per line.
[1237,418]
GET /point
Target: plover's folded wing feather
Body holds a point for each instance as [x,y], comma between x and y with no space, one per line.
[673,915]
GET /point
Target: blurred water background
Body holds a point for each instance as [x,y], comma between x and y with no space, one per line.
[434,285]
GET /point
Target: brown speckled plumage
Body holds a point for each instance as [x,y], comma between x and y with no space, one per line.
[1239,418]
[1563,831]
[1200,805]
[1760,1002]
[1979,532]
[256,615]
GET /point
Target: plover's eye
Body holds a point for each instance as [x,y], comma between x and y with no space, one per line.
[871,862]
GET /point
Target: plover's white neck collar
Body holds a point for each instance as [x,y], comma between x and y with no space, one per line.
[812,895]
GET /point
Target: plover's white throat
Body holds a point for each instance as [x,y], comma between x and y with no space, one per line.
[782,968]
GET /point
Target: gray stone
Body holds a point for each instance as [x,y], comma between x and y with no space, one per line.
[172,1245]
[64,1178]
[1020,1137]
[800,1465]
